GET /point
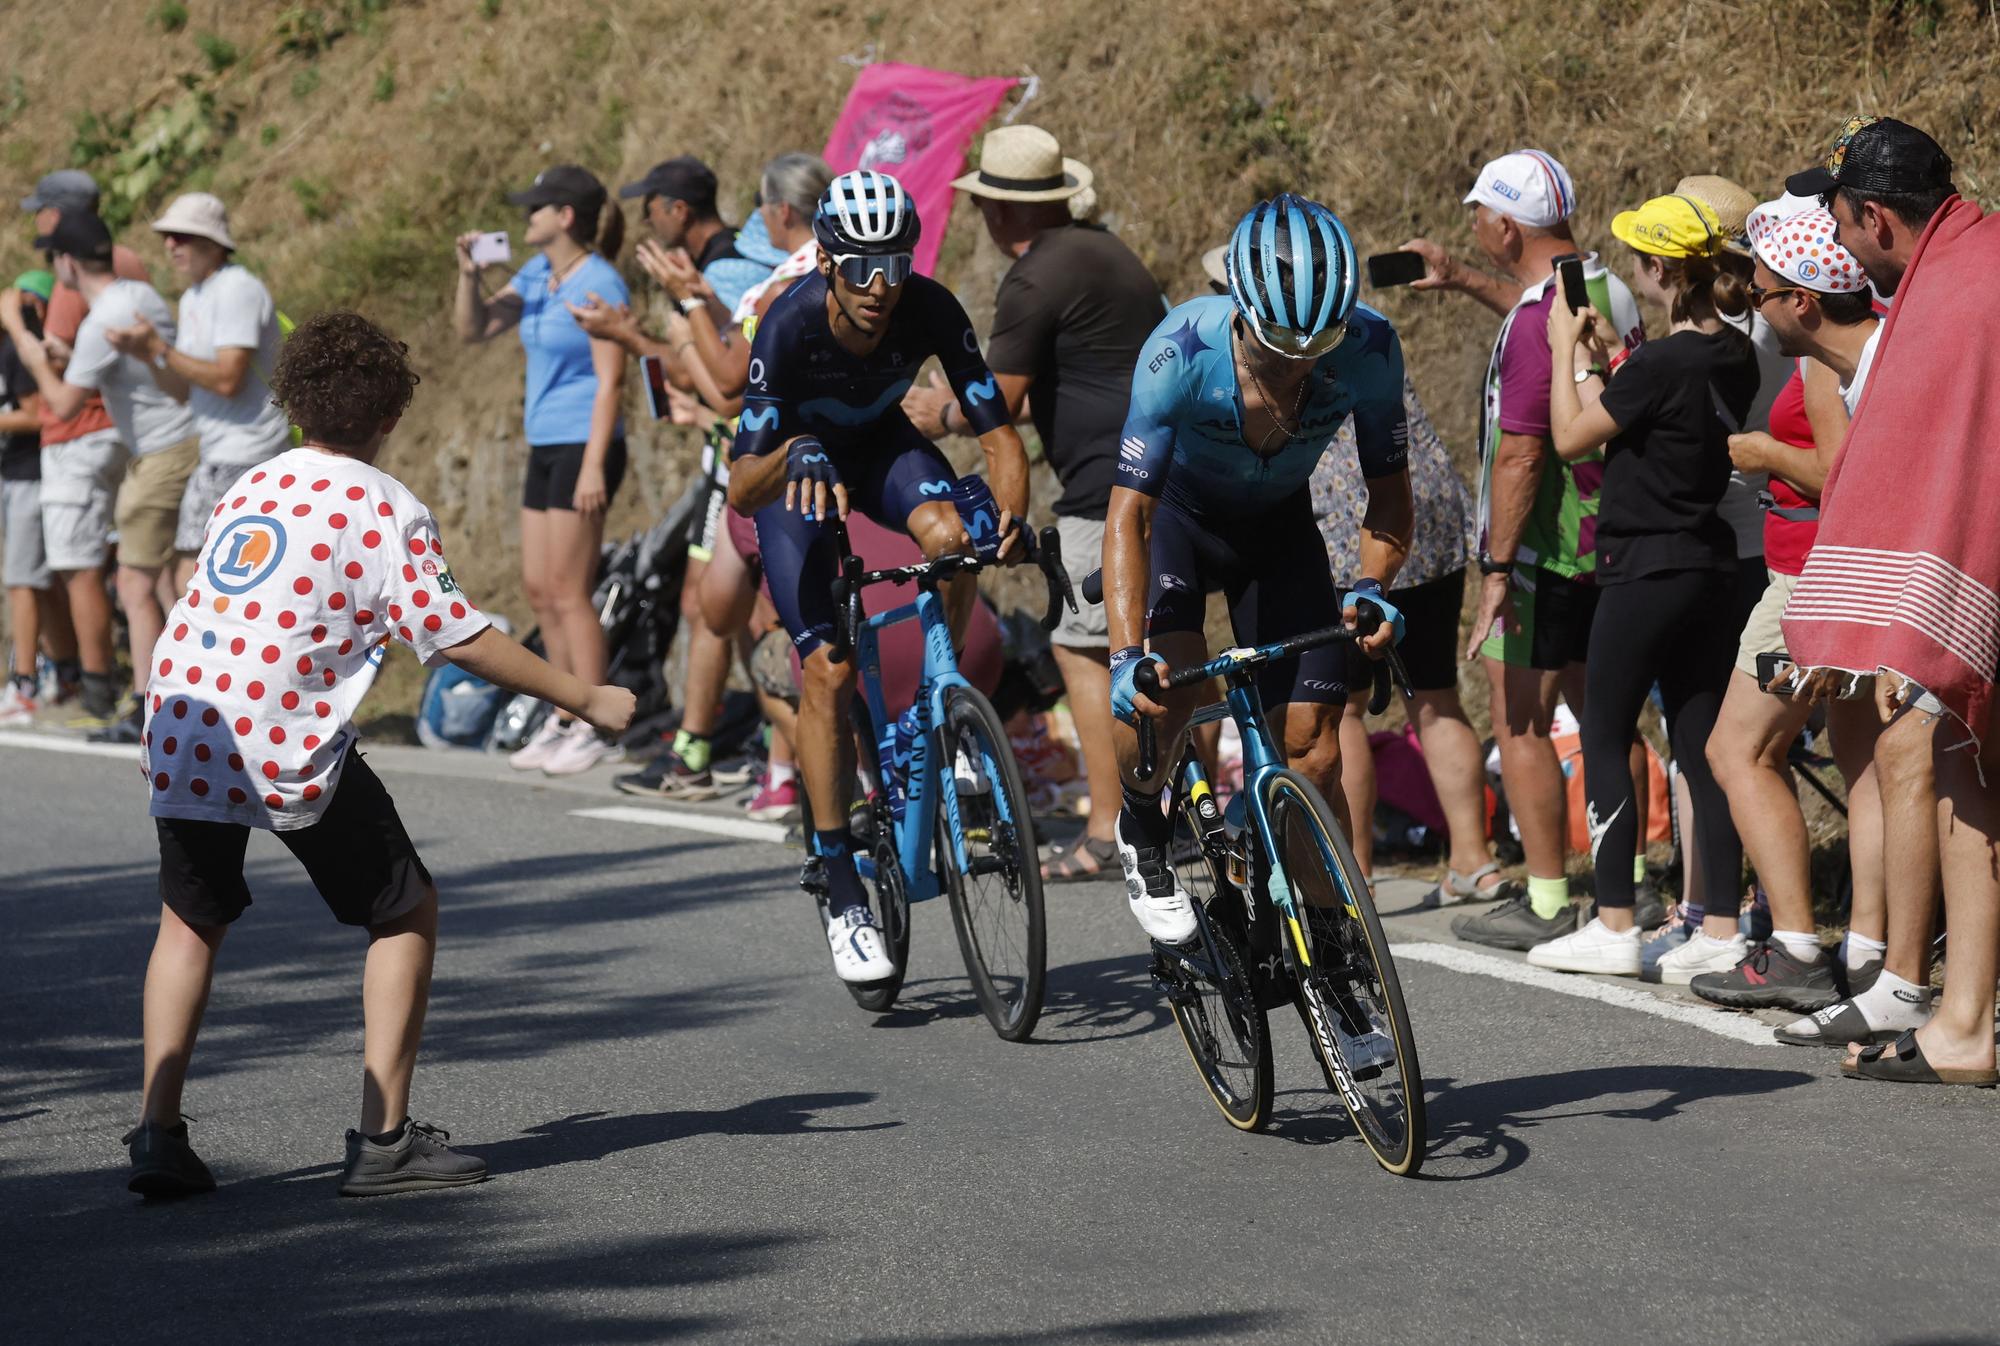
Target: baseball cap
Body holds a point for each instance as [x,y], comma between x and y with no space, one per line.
[1877,154]
[38,283]
[1527,186]
[563,185]
[682,178]
[78,233]
[1671,226]
[64,189]
[198,215]
[1794,237]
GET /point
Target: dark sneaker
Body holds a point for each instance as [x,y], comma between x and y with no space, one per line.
[1770,978]
[1649,908]
[668,777]
[419,1159]
[127,729]
[164,1165]
[1513,925]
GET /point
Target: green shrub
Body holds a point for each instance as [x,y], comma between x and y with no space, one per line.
[170,16]
[317,198]
[219,52]
[304,82]
[385,84]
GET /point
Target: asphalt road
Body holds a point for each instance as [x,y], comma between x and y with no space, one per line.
[695,1134]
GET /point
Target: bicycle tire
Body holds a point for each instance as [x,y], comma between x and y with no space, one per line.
[892,910]
[1350,977]
[1009,992]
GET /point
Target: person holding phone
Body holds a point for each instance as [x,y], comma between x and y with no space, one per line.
[1666,560]
[576,435]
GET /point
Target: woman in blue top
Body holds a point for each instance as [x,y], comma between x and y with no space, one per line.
[576,439]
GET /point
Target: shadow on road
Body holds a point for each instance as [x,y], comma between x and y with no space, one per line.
[1180,1327]
[1097,1001]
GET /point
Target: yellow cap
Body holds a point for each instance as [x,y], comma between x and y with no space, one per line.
[1671,226]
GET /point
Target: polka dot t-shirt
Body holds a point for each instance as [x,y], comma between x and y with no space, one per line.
[311,565]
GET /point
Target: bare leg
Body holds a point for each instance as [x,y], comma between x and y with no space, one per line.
[1357,781]
[24,613]
[1960,1033]
[1747,754]
[1908,784]
[937,529]
[395,992]
[58,633]
[177,980]
[143,618]
[1310,735]
[183,574]
[574,542]
[1523,701]
[90,610]
[537,584]
[1854,728]
[1087,683]
[1458,774]
[824,746]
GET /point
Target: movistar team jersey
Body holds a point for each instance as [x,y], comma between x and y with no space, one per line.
[804,382]
[1183,440]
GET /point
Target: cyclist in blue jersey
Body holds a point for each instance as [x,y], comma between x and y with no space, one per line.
[823,431]
[1233,401]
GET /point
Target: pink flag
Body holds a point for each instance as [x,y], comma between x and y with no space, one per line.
[914,123]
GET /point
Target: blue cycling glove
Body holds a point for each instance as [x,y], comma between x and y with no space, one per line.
[1124,669]
[1372,591]
[808,463]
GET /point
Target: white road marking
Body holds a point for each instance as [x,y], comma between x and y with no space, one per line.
[17,738]
[1736,1027]
[687,819]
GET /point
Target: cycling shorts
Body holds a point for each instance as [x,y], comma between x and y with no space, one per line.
[886,483]
[1273,569]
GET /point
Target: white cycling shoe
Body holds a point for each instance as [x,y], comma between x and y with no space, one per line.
[1159,903]
[860,954]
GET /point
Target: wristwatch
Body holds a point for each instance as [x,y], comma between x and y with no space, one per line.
[693,302]
[1489,566]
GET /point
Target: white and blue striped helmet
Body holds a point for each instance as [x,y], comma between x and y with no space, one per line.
[1292,273]
[865,212]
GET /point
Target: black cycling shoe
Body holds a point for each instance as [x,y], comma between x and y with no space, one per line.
[164,1165]
[417,1159]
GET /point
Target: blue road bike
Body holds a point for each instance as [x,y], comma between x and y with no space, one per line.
[964,829]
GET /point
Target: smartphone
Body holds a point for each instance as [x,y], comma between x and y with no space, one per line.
[1569,272]
[492,249]
[1773,668]
[656,386]
[1395,268]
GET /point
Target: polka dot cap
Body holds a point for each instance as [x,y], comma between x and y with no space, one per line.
[1798,246]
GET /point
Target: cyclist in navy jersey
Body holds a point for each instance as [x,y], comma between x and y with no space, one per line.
[823,431]
[1233,401]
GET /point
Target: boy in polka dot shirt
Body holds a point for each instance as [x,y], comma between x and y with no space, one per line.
[313,562]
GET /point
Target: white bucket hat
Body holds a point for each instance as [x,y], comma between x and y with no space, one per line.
[198,215]
[1024,163]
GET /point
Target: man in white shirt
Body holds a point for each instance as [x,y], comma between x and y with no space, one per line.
[217,362]
[157,430]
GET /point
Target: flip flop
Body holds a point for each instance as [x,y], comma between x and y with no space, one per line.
[1068,860]
[1903,1062]
[1836,1026]
[1454,887]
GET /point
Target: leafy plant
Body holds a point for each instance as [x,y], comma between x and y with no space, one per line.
[136,160]
[489,9]
[268,135]
[385,84]
[219,52]
[317,197]
[170,16]
[305,82]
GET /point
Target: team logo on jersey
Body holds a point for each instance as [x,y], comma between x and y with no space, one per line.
[244,554]
[1132,447]
[756,373]
[935,488]
[762,418]
[971,342]
[983,391]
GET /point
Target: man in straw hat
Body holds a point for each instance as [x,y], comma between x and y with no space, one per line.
[1073,311]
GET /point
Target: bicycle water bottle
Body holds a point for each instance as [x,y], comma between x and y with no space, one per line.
[903,761]
[979,514]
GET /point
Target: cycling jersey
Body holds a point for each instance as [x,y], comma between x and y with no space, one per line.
[804,382]
[1184,442]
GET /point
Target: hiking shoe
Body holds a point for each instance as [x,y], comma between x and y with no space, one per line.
[668,777]
[1770,978]
[418,1158]
[1595,948]
[164,1165]
[1513,925]
[1698,955]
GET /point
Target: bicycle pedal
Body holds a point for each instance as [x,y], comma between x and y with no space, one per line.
[1173,986]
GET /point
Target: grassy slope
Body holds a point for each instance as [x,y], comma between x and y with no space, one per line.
[349,164]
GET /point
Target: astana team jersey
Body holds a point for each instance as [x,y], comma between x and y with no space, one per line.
[312,564]
[1183,440]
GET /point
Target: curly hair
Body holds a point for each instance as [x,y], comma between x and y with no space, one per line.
[339,377]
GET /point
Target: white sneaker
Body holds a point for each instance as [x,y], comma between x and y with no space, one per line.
[859,952]
[15,708]
[579,750]
[530,755]
[1159,904]
[1594,948]
[1679,966]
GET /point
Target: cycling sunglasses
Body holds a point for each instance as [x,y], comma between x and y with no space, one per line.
[1294,344]
[860,269]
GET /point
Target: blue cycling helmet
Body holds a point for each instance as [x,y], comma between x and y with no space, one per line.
[1292,274]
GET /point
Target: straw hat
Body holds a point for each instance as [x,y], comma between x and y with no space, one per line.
[1024,163]
[1732,206]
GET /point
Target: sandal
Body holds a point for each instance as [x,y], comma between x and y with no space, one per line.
[1835,1026]
[1081,859]
[1903,1062]
[1455,887]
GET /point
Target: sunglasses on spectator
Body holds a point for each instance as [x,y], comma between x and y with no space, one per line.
[181,240]
[860,269]
[1758,294]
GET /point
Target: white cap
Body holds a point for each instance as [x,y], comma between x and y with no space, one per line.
[1527,186]
[1794,237]
[198,215]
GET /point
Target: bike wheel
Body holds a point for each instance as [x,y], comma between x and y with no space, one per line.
[892,909]
[996,901]
[1347,991]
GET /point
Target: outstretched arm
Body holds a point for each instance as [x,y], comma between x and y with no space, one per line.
[504,662]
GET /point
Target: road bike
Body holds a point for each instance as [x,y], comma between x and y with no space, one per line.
[1282,913]
[964,827]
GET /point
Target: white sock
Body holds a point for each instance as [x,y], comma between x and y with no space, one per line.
[1861,951]
[778,773]
[1800,944]
[1894,1003]
[1710,941]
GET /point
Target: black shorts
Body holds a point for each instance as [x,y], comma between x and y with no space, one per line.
[1431,643]
[1274,571]
[1551,626]
[552,470]
[359,857]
